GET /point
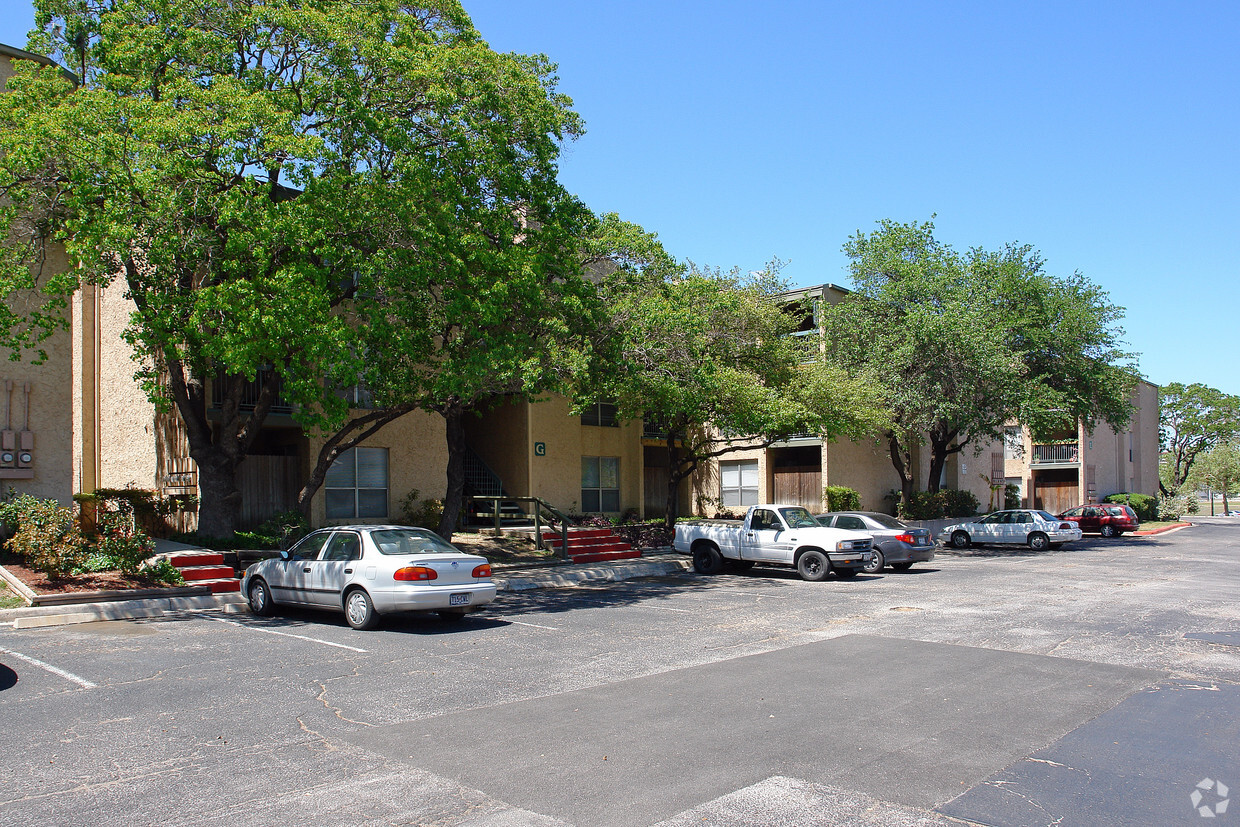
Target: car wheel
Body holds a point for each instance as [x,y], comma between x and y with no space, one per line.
[1038,541]
[1108,531]
[875,565]
[707,559]
[813,566]
[359,610]
[901,566]
[260,598]
[960,539]
[740,565]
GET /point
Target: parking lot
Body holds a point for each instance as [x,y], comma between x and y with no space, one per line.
[916,698]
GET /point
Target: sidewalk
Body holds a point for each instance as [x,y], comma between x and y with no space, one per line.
[653,563]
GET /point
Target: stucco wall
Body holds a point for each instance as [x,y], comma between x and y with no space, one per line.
[865,466]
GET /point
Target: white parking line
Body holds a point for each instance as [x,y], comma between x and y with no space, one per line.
[69,676]
[284,634]
[535,625]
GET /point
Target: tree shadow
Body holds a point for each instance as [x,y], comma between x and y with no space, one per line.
[8,678]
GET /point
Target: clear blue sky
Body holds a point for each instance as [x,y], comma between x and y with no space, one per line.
[1105,134]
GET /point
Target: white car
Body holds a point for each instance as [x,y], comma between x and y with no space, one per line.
[367,571]
[1037,529]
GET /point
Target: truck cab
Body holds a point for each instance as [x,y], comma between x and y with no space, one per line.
[774,534]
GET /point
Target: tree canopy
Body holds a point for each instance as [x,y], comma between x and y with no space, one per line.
[707,357]
[962,343]
[1193,419]
[262,177]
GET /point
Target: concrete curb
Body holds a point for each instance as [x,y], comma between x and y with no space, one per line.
[39,616]
[1163,530]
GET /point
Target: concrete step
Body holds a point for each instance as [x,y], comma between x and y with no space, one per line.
[193,574]
[186,559]
[220,586]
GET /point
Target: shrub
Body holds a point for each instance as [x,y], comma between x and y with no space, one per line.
[1145,506]
[161,571]
[46,535]
[421,512]
[922,506]
[1011,496]
[284,528]
[648,534]
[1176,506]
[842,498]
[958,503]
[147,509]
[121,541]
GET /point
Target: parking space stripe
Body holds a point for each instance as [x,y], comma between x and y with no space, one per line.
[285,634]
[535,625]
[69,676]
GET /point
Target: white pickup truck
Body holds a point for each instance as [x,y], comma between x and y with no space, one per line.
[778,534]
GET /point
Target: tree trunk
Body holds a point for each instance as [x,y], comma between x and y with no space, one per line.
[352,433]
[901,461]
[453,414]
[941,448]
[219,496]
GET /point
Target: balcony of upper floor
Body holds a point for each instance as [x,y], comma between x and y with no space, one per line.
[1056,454]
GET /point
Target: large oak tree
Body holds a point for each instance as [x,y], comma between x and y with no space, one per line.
[255,173]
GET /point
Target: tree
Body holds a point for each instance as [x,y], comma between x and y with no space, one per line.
[960,344]
[1192,419]
[708,358]
[1219,470]
[249,172]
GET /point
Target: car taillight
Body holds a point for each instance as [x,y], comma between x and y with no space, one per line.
[906,538]
[1065,525]
[482,571]
[415,573]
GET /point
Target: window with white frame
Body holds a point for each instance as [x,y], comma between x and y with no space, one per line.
[738,483]
[600,484]
[356,485]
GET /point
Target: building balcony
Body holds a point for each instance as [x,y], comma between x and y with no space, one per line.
[1056,454]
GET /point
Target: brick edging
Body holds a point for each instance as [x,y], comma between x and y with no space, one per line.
[1154,531]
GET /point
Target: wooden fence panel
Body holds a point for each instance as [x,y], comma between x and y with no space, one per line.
[800,485]
[269,485]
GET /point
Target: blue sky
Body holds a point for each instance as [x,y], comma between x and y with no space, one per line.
[1105,134]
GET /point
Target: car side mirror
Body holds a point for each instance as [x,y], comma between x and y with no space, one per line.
[284,555]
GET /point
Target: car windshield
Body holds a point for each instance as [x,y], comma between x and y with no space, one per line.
[410,541]
[886,521]
[1046,516]
[798,518]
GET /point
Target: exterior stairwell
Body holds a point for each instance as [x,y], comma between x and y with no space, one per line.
[592,545]
[206,568]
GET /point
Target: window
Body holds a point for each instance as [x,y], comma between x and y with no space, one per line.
[357,484]
[1013,443]
[600,484]
[602,414]
[738,483]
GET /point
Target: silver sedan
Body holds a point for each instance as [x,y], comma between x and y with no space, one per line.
[1037,529]
[368,571]
[896,544]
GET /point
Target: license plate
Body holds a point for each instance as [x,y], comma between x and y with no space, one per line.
[458,599]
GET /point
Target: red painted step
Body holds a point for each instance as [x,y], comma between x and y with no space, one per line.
[592,545]
[206,568]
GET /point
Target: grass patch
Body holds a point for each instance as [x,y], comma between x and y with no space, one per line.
[9,599]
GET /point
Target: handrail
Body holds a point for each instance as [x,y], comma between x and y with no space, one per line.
[540,505]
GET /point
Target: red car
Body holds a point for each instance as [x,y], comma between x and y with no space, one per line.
[1109,519]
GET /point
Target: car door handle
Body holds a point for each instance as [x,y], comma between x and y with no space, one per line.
[348,571]
[307,568]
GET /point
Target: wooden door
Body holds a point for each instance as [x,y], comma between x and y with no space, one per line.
[799,485]
[1056,496]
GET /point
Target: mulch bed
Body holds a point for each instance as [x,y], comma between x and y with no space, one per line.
[40,583]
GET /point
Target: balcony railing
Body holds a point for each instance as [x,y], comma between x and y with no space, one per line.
[1056,453]
[251,392]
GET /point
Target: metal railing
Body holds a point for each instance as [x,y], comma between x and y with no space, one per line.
[1055,453]
[251,392]
[539,507]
